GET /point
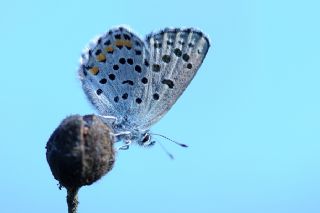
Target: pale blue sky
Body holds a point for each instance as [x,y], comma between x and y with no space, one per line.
[251,116]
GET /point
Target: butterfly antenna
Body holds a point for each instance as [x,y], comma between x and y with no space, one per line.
[165,150]
[180,144]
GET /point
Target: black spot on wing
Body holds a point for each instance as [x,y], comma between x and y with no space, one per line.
[155,96]
[103,81]
[144,80]
[125,96]
[112,77]
[126,37]
[156,67]
[99,91]
[130,61]
[128,82]
[185,57]
[146,63]
[137,68]
[168,82]
[122,60]
[115,67]
[166,58]
[98,52]
[177,52]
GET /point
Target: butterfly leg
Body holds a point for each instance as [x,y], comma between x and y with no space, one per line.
[108,119]
[124,136]
[125,146]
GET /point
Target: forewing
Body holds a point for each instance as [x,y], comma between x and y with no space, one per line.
[112,71]
[175,57]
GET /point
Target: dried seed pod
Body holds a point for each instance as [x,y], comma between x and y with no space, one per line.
[80,151]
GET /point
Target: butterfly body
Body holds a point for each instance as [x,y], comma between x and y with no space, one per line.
[136,82]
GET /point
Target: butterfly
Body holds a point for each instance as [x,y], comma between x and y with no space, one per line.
[134,83]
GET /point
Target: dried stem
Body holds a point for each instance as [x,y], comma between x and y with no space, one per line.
[72,200]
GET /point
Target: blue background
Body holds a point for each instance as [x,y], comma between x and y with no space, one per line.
[251,116]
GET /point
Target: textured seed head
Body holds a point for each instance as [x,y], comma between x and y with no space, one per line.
[80,151]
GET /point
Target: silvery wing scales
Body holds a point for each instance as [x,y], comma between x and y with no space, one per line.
[134,83]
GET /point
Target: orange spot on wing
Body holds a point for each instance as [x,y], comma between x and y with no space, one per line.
[101,57]
[94,70]
[121,42]
[128,44]
[109,49]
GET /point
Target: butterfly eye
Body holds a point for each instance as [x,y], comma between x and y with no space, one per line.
[146,138]
[146,141]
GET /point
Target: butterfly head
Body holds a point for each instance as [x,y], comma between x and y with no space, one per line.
[145,140]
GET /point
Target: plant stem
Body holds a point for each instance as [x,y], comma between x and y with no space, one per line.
[72,199]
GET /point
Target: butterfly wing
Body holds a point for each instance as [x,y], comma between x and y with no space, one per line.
[112,74]
[175,57]
[138,82]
